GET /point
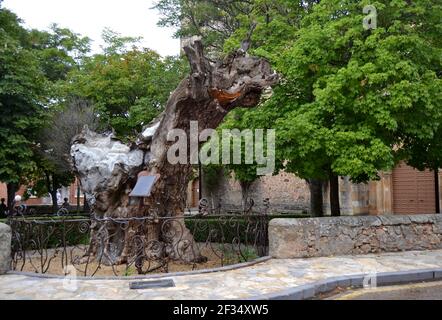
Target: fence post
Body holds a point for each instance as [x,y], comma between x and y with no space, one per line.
[5,248]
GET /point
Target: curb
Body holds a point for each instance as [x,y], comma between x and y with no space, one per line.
[146,277]
[309,291]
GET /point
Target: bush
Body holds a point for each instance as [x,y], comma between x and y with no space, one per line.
[47,210]
[224,230]
[53,233]
[228,229]
[29,235]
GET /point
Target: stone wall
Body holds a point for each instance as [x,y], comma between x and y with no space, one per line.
[319,237]
[5,248]
[286,193]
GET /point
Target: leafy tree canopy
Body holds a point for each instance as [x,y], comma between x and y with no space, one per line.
[22,99]
[43,73]
[127,85]
[213,20]
[352,100]
[60,50]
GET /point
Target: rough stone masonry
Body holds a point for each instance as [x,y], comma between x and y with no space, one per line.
[5,248]
[320,237]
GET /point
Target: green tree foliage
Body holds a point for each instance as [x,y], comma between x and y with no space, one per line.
[128,86]
[355,101]
[116,44]
[32,62]
[52,151]
[44,73]
[213,20]
[22,98]
[60,50]
[274,24]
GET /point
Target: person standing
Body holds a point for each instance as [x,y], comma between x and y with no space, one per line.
[66,204]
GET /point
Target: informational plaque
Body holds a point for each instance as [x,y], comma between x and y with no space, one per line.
[143,187]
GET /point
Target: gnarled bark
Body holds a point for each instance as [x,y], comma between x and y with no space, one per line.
[108,170]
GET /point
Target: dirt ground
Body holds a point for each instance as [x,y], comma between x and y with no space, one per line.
[54,262]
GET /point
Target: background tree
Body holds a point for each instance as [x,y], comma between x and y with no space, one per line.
[128,86]
[60,51]
[52,152]
[425,152]
[45,72]
[213,20]
[266,27]
[274,24]
[353,101]
[33,64]
[22,100]
[245,174]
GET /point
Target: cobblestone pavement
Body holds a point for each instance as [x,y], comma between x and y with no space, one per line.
[264,278]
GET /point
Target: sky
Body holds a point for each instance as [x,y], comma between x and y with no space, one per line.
[89,18]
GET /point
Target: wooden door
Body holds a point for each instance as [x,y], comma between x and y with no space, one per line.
[414,192]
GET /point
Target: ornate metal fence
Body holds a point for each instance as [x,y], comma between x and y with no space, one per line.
[136,246]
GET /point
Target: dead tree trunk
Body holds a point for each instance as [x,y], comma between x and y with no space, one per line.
[108,170]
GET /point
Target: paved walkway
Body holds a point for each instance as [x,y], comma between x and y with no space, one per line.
[265,278]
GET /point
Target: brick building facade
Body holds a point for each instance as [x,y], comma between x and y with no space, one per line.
[66,192]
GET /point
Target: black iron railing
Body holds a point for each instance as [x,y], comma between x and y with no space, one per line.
[136,246]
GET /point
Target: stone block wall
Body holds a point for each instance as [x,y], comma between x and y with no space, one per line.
[5,248]
[331,236]
[353,198]
[286,193]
